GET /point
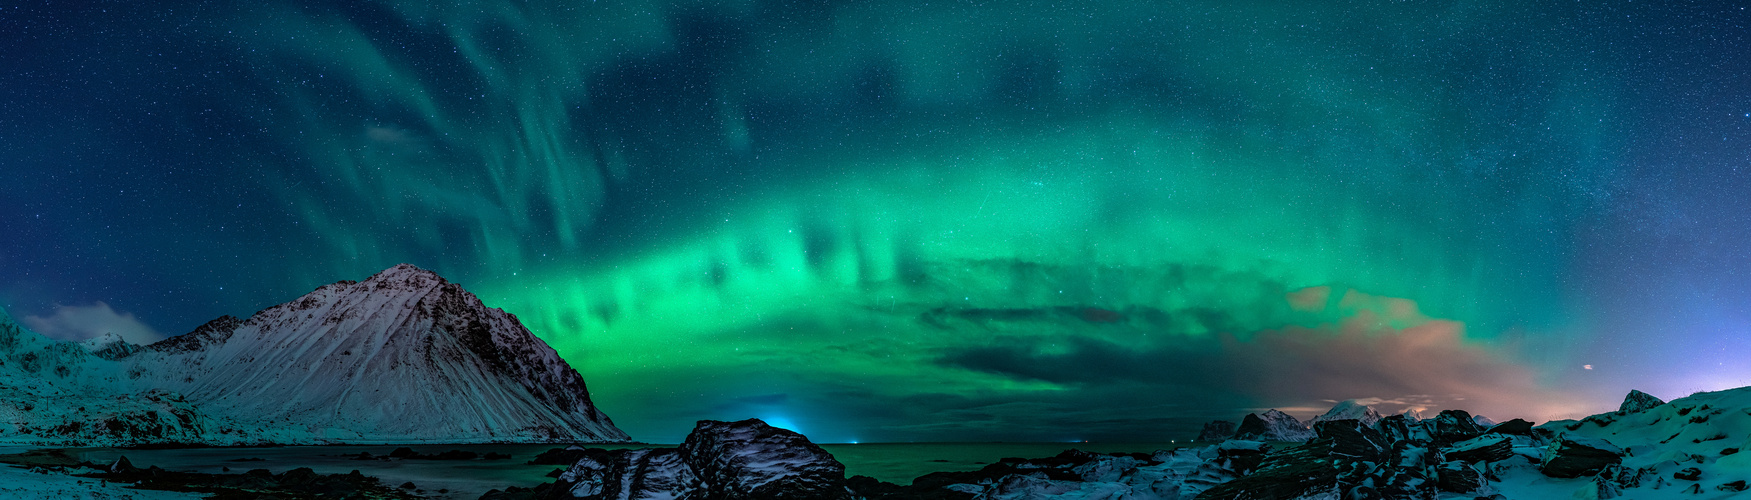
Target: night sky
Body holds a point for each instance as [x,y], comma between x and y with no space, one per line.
[918,221]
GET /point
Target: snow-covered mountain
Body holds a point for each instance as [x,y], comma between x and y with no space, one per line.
[404,356]
[1272,425]
[1349,410]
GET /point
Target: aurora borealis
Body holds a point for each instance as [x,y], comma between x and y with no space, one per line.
[899,220]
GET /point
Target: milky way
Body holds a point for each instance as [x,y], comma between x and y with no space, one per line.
[889,221]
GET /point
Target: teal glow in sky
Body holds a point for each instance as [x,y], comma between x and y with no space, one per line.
[894,221]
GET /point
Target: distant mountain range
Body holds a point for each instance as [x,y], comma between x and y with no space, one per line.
[404,356]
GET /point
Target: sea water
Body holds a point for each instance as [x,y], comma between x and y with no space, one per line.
[468,479]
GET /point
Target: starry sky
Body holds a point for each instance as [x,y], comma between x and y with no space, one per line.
[922,221]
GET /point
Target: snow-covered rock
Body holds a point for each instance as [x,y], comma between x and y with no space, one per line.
[109,346]
[1412,414]
[1485,448]
[1707,431]
[1578,456]
[752,460]
[404,356]
[1452,426]
[746,460]
[1273,425]
[644,473]
[1638,401]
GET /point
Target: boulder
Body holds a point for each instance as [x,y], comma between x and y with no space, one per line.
[1569,456]
[754,461]
[1458,477]
[626,473]
[123,466]
[1326,465]
[1517,427]
[1638,401]
[1289,473]
[1353,439]
[1398,428]
[746,460]
[1217,431]
[1485,448]
[1452,426]
[1240,456]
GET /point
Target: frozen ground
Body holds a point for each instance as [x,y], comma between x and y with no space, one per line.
[36,484]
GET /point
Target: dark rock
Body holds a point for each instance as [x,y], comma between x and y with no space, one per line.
[754,461]
[123,466]
[1289,473]
[558,456]
[1738,485]
[1688,474]
[1397,428]
[873,489]
[402,452]
[1729,451]
[1411,455]
[1601,420]
[1615,478]
[1407,484]
[258,483]
[1217,431]
[1485,448]
[1242,457]
[450,455]
[545,490]
[1638,401]
[112,347]
[869,487]
[1352,439]
[1458,477]
[1453,426]
[301,476]
[1517,427]
[408,485]
[744,460]
[642,473]
[1568,457]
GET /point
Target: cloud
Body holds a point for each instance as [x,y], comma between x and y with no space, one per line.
[83,322]
[1429,365]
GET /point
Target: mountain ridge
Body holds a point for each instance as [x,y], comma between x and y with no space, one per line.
[403,356]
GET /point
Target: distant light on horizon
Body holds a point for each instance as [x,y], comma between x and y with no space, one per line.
[782,423]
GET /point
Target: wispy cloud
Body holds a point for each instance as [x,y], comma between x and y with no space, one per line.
[84,322]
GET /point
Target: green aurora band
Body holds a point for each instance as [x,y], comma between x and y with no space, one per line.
[877,220]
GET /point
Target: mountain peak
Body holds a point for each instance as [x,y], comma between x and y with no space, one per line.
[405,272]
[1350,410]
[1638,401]
[406,340]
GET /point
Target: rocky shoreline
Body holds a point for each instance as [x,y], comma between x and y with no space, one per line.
[1647,449]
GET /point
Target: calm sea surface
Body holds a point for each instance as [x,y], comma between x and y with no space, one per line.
[467,479]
